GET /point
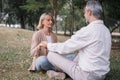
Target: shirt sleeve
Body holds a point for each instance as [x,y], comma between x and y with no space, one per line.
[76,42]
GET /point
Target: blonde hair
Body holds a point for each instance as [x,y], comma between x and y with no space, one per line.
[42,17]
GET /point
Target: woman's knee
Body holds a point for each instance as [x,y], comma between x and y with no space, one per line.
[41,59]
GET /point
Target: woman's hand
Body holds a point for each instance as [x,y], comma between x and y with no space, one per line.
[44,44]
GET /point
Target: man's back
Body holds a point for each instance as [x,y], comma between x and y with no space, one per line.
[94,56]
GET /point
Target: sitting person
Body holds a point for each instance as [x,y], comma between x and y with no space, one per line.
[44,33]
[93,43]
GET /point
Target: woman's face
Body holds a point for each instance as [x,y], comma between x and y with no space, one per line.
[47,22]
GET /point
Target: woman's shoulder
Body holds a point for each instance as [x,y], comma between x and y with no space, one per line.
[54,34]
[37,33]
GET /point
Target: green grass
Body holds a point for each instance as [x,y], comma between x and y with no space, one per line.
[114,73]
[15,56]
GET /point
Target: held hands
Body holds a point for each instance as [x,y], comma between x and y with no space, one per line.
[43,44]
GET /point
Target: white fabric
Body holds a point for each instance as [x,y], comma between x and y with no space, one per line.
[94,45]
[49,40]
[72,68]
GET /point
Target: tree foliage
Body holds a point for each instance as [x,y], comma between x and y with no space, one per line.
[33,10]
[112,10]
[29,11]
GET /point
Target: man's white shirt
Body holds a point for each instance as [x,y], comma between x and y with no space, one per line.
[93,43]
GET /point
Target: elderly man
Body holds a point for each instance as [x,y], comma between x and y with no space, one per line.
[93,43]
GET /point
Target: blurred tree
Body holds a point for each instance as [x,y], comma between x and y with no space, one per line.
[34,9]
[56,5]
[73,12]
[28,11]
[112,10]
[37,7]
[1,5]
[12,8]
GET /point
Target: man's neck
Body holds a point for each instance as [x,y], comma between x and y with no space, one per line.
[93,19]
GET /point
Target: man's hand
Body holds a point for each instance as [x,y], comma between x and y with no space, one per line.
[44,44]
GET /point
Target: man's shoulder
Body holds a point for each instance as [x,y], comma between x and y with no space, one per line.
[83,30]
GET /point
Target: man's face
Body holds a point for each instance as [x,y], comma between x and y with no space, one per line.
[86,15]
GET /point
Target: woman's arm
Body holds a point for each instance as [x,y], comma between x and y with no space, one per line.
[35,45]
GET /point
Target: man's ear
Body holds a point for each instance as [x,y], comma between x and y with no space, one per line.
[89,12]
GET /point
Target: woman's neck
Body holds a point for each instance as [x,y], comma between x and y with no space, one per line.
[47,31]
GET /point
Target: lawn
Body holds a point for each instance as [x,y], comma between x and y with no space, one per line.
[15,57]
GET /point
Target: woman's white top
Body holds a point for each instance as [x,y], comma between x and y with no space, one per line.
[49,40]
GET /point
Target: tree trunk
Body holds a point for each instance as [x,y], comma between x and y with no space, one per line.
[55,4]
[22,22]
[55,21]
[72,19]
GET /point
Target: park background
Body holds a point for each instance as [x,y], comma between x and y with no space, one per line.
[18,21]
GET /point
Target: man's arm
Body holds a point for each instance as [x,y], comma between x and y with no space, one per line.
[77,41]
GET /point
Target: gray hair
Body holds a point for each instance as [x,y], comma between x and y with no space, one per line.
[42,17]
[96,8]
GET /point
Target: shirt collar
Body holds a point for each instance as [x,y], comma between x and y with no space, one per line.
[97,22]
